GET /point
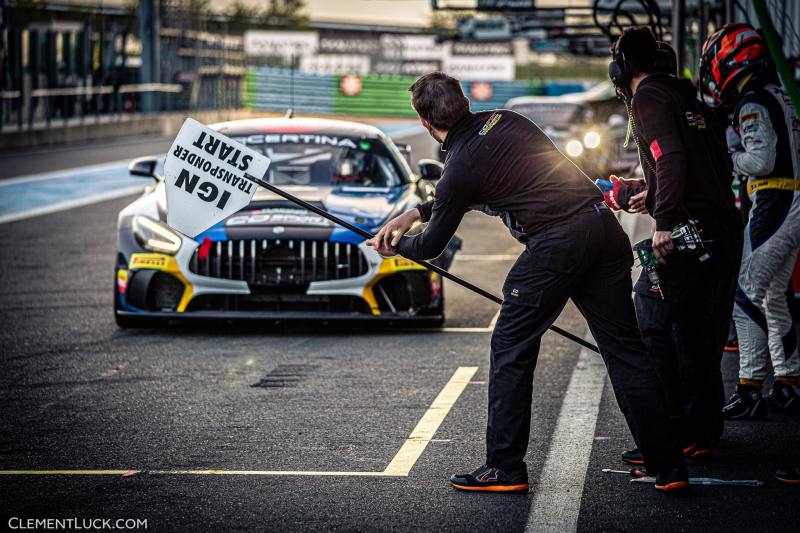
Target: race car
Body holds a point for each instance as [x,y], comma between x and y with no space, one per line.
[274,260]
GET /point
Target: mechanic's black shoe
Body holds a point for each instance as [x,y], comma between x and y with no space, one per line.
[633,457]
[673,481]
[488,479]
[746,402]
[783,397]
[788,475]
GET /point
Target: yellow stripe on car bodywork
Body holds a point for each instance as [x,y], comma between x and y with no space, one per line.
[164,263]
[387,267]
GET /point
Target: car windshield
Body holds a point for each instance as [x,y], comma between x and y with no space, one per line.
[556,114]
[326,161]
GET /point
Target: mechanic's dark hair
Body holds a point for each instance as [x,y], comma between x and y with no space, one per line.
[438,98]
[639,46]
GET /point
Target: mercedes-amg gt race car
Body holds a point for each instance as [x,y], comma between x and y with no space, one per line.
[273,260]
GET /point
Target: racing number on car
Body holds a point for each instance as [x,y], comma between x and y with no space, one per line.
[208,177]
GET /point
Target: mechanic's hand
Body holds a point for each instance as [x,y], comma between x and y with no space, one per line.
[636,203]
[386,240]
[662,245]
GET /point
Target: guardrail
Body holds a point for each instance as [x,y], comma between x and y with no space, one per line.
[23,107]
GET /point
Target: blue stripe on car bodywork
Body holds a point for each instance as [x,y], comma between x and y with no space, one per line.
[215,233]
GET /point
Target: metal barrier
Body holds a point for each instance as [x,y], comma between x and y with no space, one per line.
[24,106]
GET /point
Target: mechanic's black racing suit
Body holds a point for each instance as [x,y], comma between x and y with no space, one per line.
[503,164]
[687,170]
[770,140]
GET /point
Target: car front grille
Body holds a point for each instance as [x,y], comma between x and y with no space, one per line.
[280,262]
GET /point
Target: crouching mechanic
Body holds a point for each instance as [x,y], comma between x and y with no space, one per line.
[684,318]
[735,71]
[503,164]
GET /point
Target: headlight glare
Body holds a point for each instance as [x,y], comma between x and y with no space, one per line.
[574,148]
[155,236]
[591,139]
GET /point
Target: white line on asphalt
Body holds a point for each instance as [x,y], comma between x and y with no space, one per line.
[557,502]
[415,444]
[400,466]
[71,204]
[487,329]
[67,172]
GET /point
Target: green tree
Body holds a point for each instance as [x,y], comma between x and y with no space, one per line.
[285,14]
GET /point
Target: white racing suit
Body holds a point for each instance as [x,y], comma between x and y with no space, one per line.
[770,138]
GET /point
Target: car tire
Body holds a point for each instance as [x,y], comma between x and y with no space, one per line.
[437,320]
[131,322]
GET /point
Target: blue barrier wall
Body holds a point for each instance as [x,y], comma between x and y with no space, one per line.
[277,89]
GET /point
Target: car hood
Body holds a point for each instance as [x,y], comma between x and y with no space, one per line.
[271,216]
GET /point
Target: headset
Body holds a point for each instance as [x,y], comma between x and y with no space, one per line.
[619,71]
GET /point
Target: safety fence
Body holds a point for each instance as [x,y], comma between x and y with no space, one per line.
[278,89]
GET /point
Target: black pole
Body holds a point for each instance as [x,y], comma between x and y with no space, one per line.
[678,21]
[149,72]
[430,266]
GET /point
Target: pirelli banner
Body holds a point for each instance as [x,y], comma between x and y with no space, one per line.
[208,177]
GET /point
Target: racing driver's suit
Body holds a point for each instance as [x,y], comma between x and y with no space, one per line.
[770,140]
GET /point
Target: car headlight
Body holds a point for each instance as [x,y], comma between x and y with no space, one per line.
[591,139]
[155,236]
[574,148]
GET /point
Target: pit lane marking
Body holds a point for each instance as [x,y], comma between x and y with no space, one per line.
[415,444]
[557,502]
[400,466]
[487,329]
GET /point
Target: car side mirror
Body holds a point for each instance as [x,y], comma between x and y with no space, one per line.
[430,169]
[143,166]
[405,149]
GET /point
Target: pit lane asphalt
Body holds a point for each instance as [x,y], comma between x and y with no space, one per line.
[79,393]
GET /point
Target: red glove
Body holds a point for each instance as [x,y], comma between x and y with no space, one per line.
[619,194]
[611,195]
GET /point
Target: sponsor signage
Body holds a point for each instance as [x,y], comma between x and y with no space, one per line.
[410,68]
[280,43]
[410,47]
[481,48]
[335,64]
[278,217]
[505,5]
[349,45]
[480,68]
[350,85]
[208,177]
[481,90]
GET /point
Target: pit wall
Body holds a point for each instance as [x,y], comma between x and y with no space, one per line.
[276,89]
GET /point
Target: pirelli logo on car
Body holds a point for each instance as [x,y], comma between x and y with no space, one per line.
[154,261]
[208,177]
[493,119]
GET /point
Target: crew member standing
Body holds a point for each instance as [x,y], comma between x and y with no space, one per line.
[501,163]
[735,71]
[685,318]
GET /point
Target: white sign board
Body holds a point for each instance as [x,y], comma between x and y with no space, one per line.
[280,43]
[208,177]
[410,47]
[480,68]
[335,64]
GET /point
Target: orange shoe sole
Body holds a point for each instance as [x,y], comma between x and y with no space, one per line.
[493,488]
[633,461]
[731,349]
[790,481]
[676,485]
[702,453]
